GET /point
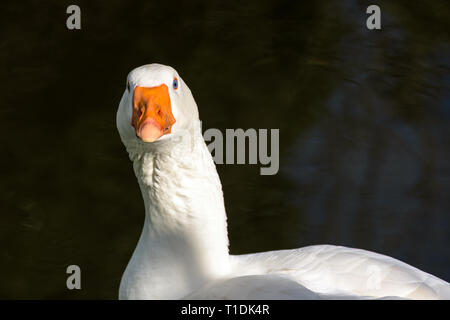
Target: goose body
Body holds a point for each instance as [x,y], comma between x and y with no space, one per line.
[183,253]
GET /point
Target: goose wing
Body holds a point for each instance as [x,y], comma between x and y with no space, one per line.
[327,271]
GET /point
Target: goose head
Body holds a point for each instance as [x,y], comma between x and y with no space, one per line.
[157,107]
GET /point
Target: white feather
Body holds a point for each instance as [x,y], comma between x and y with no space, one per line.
[183,248]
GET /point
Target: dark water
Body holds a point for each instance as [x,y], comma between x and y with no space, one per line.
[363,116]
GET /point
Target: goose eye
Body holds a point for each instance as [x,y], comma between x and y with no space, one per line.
[175,83]
[128,85]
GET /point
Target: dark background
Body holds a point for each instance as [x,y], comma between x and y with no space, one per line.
[363,116]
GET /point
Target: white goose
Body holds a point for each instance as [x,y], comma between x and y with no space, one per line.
[183,248]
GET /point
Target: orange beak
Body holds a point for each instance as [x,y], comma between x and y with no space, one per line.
[152,112]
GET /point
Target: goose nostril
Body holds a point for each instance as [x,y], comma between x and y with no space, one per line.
[141,111]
